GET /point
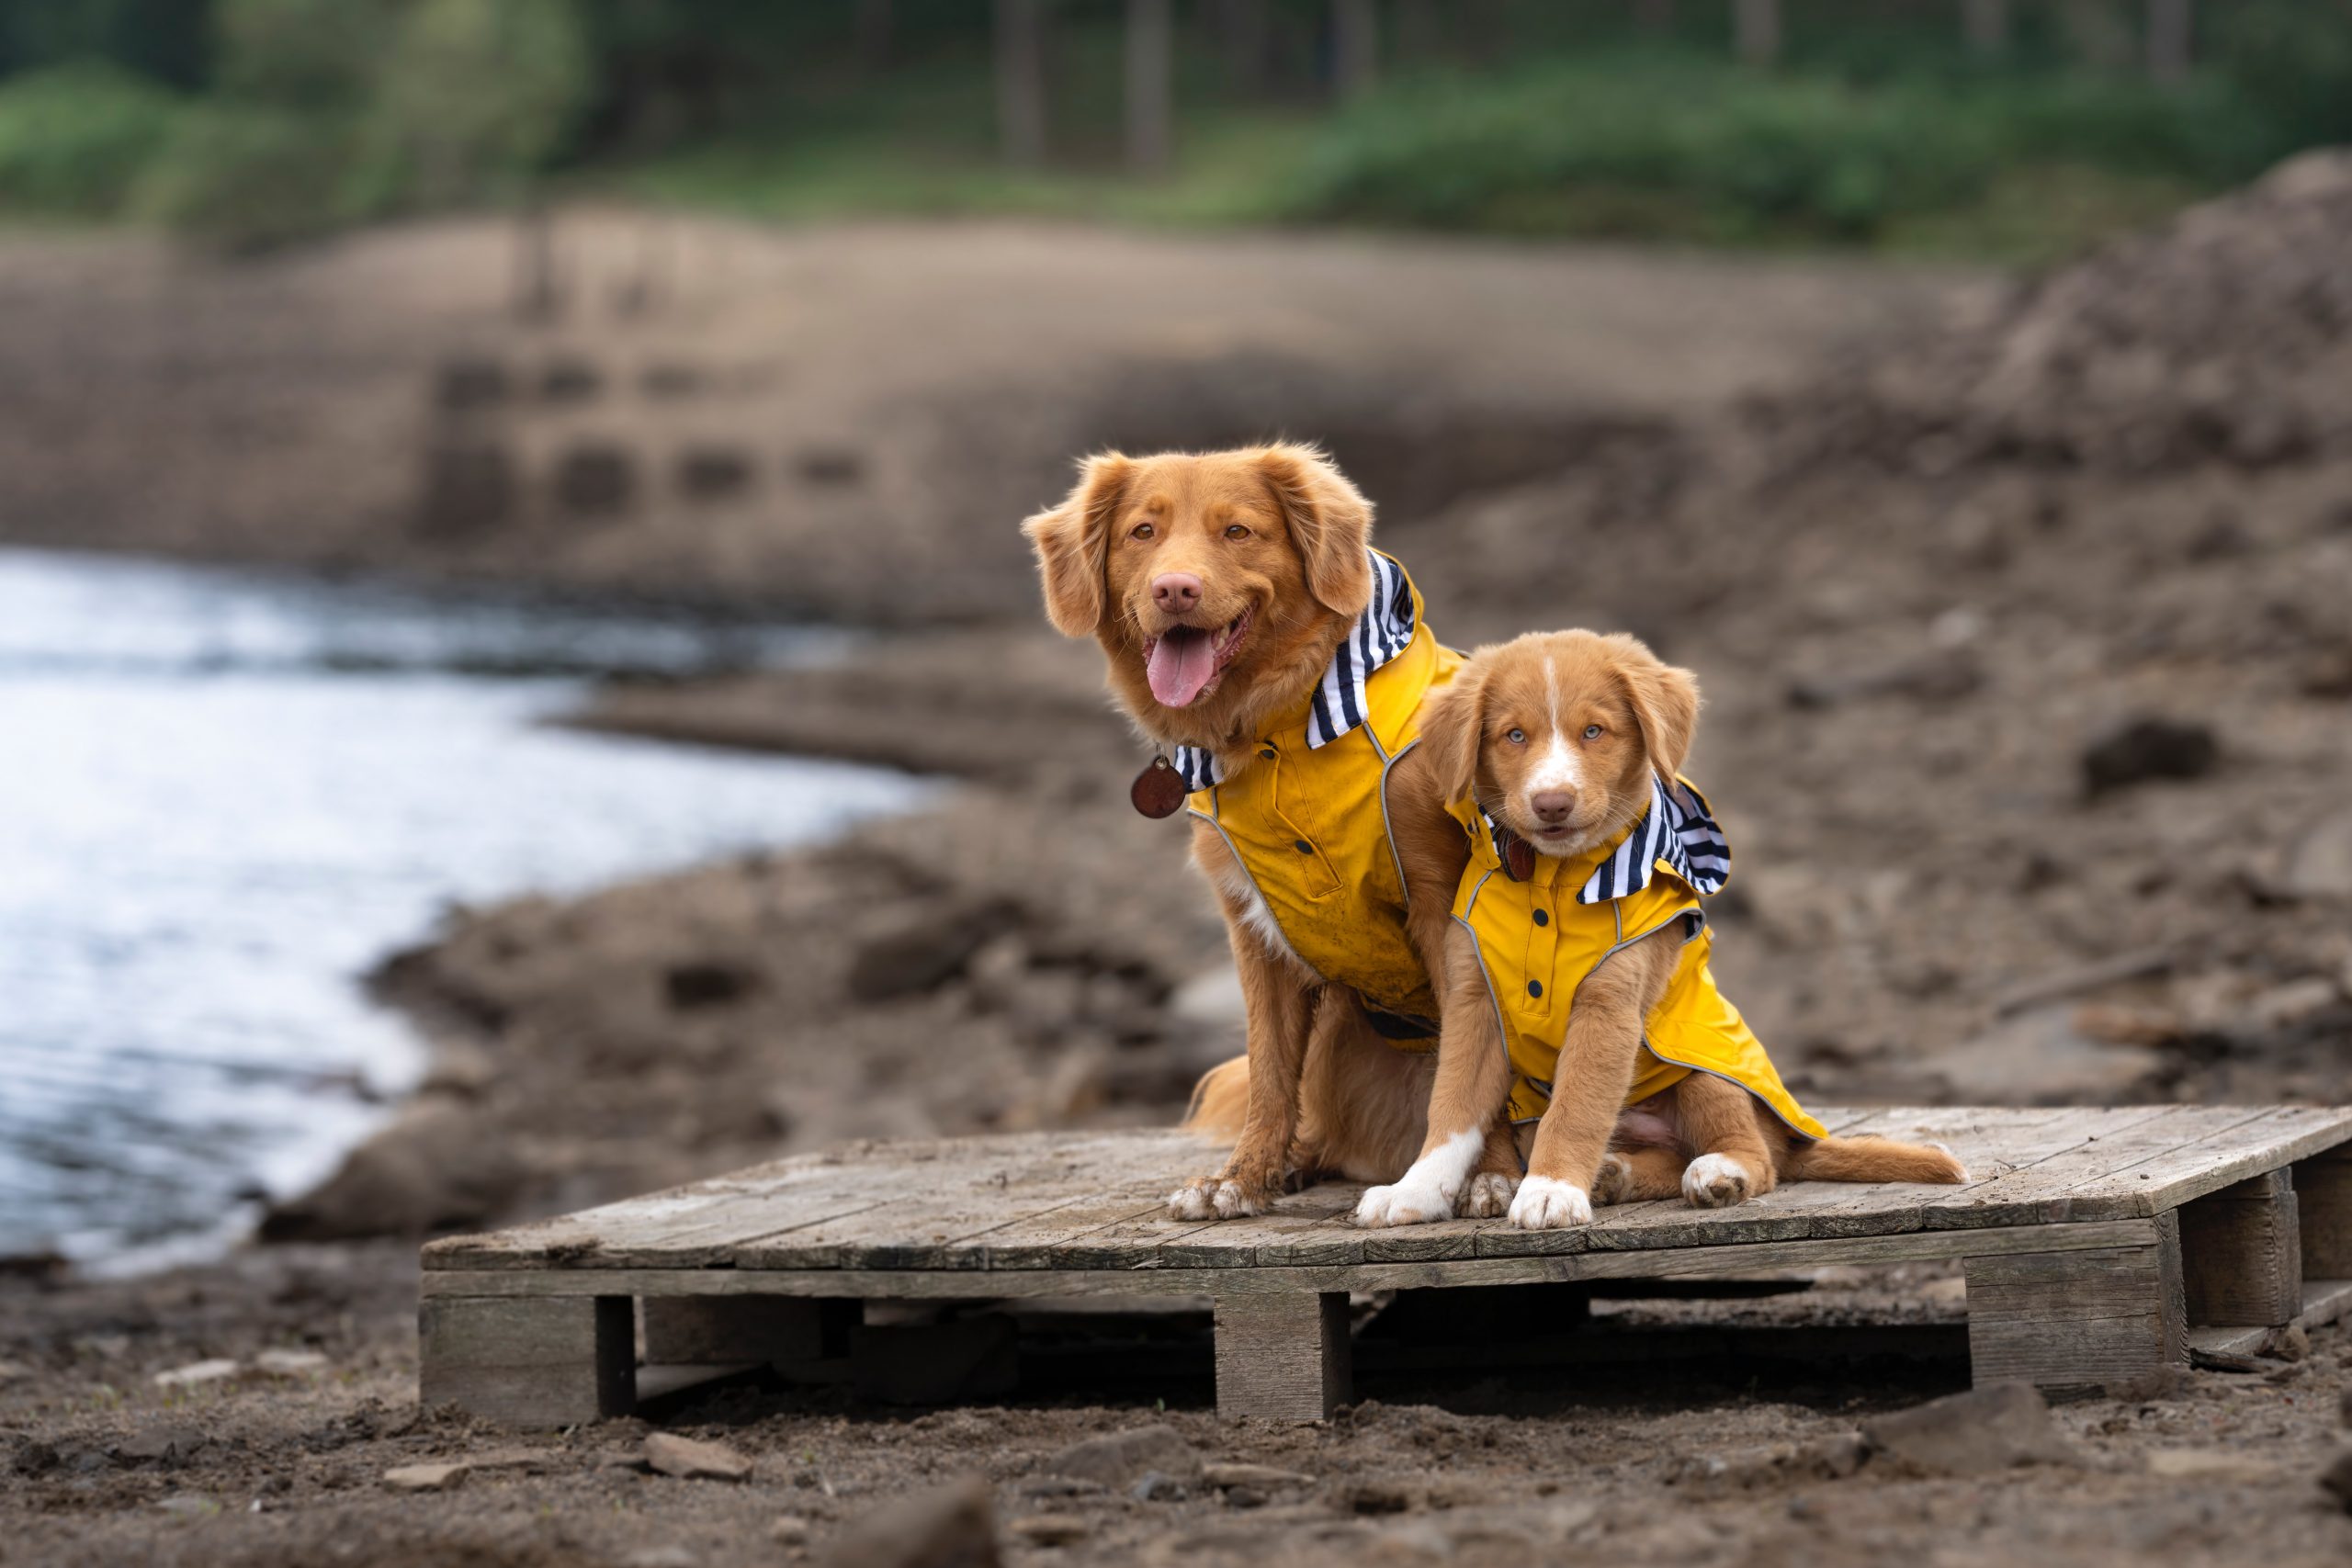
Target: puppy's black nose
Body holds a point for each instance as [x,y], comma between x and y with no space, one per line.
[1553,805]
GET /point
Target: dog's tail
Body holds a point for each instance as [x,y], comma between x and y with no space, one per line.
[1221,1099]
[1875,1159]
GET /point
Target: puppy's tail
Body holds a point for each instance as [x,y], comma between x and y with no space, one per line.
[1875,1159]
[1221,1099]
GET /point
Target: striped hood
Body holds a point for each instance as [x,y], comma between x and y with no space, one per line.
[1338,705]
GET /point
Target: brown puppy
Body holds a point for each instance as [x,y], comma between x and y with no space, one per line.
[1224,588]
[1571,743]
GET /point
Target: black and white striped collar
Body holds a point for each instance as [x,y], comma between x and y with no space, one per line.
[1340,703]
[1677,828]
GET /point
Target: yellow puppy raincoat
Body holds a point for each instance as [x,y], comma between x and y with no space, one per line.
[1307,814]
[1537,939]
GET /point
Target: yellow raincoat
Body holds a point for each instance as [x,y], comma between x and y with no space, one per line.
[1537,939]
[1307,814]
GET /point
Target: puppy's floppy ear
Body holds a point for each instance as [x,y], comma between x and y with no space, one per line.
[1330,521]
[1453,723]
[1664,700]
[1073,540]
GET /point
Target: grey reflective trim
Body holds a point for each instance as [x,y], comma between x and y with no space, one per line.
[1502,1029]
[1795,1132]
[1387,825]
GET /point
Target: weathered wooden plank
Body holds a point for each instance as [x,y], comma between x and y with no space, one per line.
[1745,1261]
[2087,1141]
[2108,1321]
[2170,1178]
[2049,1190]
[1313,1224]
[529,1361]
[1284,1357]
[2324,1202]
[2242,1253]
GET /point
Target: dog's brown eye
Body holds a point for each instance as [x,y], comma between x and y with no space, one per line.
[1237,532]
[1141,531]
[1517,737]
[1592,732]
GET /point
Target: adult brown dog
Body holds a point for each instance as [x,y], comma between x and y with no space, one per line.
[1231,592]
[1564,750]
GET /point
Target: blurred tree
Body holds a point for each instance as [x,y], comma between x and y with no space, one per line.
[1355,47]
[1242,36]
[1020,80]
[1653,15]
[1986,24]
[166,40]
[874,33]
[1420,28]
[2172,27]
[2098,33]
[1757,23]
[476,96]
[1150,50]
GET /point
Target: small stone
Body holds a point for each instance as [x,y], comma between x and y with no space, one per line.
[1244,1497]
[190,1505]
[2336,1480]
[34,1457]
[789,1530]
[1118,1459]
[1231,1473]
[660,1557]
[424,1477]
[2146,748]
[165,1444]
[289,1363]
[2206,1464]
[691,1460]
[1050,1529]
[198,1372]
[951,1526]
[1988,1428]
[13,1371]
[1153,1487]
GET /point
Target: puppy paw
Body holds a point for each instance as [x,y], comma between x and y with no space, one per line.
[1545,1204]
[1408,1203]
[1715,1181]
[1490,1195]
[1959,1165]
[1616,1175]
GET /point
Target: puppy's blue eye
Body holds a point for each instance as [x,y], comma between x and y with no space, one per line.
[1517,737]
[1592,732]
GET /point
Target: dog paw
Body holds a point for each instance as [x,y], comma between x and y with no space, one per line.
[1490,1195]
[1407,1203]
[1715,1181]
[1217,1197]
[1959,1165]
[1545,1204]
[1616,1175]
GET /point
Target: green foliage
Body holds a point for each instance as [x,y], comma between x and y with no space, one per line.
[2294,58]
[476,94]
[244,175]
[313,56]
[74,138]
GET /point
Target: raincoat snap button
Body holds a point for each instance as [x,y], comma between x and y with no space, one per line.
[1542,919]
[1268,753]
[1536,987]
[1301,846]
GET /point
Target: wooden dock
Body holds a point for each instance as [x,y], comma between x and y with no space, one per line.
[2100,1248]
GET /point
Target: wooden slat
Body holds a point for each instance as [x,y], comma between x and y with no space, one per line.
[2243,1253]
[535,1360]
[1283,1357]
[2172,1177]
[2048,1190]
[2106,1321]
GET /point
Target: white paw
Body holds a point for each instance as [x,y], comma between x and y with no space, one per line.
[1490,1196]
[1408,1203]
[1210,1199]
[1947,1149]
[1545,1204]
[1715,1181]
[1616,1175]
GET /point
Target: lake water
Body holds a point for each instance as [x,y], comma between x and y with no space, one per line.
[224,795]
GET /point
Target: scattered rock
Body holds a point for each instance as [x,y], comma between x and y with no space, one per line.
[1820,1459]
[2038,1058]
[1119,1459]
[34,1457]
[198,1372]
[1989,1428]
[11,1372]
[692,1460]
[1152,1486]
[166,1444]
[926,953]
[2336,1480]
[289,1363]
[1228,1473]
[671,1556]
[2146,748]
[1244,1497]
[1050,1529]
[2207,1464]
[789,1530]
[190,1505]
[706,983]
[951,1526]
[2319,862]
[425,1477]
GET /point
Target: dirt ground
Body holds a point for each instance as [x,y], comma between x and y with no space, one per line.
[2019,612]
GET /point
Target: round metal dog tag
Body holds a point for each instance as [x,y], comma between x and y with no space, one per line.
[1159,790]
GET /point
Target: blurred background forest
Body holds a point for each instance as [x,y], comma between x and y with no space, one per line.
[1994,128]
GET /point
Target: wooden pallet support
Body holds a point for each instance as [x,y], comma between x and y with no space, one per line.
[2110,1321]
[2242,1254]
[703,1331]
[541,1361]
[2323,1205]
[1282,1356]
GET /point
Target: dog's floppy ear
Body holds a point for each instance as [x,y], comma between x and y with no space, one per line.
[1453,724]
[1664,700]
[1073,540]
[1330,521]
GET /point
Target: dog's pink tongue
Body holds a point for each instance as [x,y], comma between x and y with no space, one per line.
[1181,663]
